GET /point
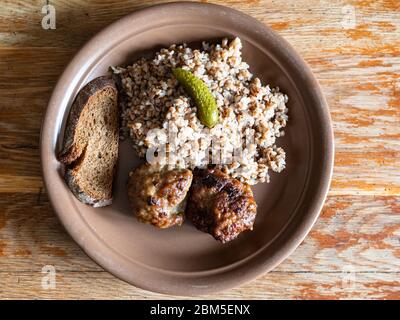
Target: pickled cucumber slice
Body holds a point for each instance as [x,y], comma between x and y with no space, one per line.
[207,109]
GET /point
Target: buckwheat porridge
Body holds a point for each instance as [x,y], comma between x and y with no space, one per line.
[161,118]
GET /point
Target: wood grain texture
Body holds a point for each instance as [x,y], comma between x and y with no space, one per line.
[354,249]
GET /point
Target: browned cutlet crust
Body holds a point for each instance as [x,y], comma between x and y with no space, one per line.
[158,195]
[220,205]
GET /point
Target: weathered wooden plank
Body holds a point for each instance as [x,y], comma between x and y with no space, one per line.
[27,76]
[275,285]
[305,22]
[357,232]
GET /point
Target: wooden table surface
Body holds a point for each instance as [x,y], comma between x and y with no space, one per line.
[353,251]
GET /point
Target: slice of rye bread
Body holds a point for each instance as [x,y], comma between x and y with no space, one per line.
[90,149]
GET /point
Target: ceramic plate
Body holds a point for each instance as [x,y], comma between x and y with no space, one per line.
[183,260]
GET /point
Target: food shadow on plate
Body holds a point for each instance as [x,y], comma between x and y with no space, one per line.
[127,161]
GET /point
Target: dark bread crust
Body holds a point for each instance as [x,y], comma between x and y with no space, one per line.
[73,153]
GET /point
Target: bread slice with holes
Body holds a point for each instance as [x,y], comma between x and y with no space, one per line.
[90,148]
